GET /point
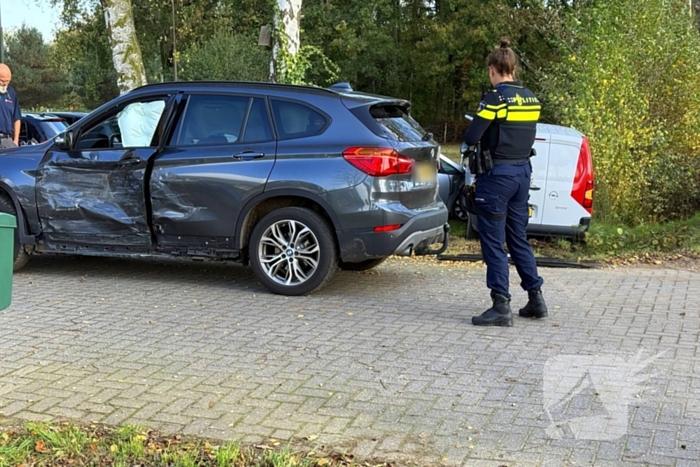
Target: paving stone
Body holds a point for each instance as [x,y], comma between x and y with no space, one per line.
[386,362]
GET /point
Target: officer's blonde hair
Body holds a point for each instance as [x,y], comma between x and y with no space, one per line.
[502,59]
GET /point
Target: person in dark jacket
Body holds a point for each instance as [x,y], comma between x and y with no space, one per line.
[9,110]
[505,126]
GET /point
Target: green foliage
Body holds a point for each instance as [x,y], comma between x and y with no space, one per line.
[82,53]
[628,79]
[226,57]
[612,240]
[34,76]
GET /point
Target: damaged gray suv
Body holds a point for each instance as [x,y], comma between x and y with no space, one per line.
[295,181]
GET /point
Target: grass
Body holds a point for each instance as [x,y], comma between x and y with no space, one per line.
[451,150]
[607,242]
[68,444]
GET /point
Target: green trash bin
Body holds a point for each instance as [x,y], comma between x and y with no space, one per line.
[8,223]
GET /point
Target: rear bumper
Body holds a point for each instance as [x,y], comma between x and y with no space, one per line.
[416,235]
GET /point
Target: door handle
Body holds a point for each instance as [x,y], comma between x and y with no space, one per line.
[535,188]
[129,161]
[248,155]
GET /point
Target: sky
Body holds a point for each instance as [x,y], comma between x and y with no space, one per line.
[37,14]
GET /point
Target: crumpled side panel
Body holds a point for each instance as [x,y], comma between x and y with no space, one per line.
[167,202]
[88,204]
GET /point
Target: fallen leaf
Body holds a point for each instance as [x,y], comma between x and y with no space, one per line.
[41,447]
[211,404]
[93,448]
[113,448]
[312,437]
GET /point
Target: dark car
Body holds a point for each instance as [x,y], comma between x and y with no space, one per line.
[38,128]
[451,178]
[69,117]
[293,180]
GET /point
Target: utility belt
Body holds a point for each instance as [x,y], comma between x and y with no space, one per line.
[480,162]
[5,135]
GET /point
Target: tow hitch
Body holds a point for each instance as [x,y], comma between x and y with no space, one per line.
[445,243]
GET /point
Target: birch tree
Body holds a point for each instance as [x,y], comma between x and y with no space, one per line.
[286,38]
[126,53]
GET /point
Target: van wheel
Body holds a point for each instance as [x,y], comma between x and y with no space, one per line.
[472,225]
[292,251]
[21,256]
[362,265]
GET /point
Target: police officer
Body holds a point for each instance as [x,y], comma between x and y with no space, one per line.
[9,110]
[505,125]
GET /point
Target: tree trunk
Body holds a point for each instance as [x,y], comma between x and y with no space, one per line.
[287,25]
[126,53]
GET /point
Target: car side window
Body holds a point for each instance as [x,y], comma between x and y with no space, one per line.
[211,119]
[132,126]
[296,120]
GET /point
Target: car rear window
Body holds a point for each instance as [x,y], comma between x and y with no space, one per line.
[397,122]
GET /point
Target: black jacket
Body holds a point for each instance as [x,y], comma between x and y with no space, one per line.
[506,122]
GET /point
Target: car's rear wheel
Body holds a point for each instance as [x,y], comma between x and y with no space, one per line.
[362,265]
[292,251]
[21,256]
[458,211]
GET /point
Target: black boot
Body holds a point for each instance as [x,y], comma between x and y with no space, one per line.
[536,307]
[498,315]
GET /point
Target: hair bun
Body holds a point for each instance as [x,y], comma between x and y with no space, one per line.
[505,42]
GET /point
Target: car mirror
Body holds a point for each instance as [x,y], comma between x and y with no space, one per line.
[64,140]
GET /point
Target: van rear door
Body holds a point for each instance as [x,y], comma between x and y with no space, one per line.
[538,181]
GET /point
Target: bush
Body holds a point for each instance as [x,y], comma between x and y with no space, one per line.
[629,81]
[226,57]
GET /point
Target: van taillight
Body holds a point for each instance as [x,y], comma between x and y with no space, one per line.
[378,162]
[582,191]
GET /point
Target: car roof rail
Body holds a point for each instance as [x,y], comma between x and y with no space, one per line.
[244,84]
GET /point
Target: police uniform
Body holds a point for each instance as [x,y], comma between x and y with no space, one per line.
[9,114]
[505,125]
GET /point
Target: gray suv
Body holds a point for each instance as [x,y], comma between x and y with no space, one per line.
[295,181]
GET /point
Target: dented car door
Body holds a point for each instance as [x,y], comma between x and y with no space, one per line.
[94,192]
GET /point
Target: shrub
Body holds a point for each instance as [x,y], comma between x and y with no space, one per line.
[628,80]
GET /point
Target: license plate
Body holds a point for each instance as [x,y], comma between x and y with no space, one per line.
[425,173]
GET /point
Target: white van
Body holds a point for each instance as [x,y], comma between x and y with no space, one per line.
[561,188]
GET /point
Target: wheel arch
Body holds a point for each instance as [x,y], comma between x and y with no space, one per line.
[24,236]
[260,206]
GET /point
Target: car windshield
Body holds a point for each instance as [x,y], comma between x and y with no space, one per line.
[53,127]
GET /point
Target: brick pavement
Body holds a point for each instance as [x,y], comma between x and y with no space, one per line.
[384,364]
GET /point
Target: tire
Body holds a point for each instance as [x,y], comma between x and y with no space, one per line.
[471,232]
[290,272]
[21,256]
[458,211]
[362,265]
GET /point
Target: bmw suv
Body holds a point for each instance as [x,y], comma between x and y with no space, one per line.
[294,181]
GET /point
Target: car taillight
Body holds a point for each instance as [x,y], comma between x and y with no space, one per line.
[378,162]
[582,190]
